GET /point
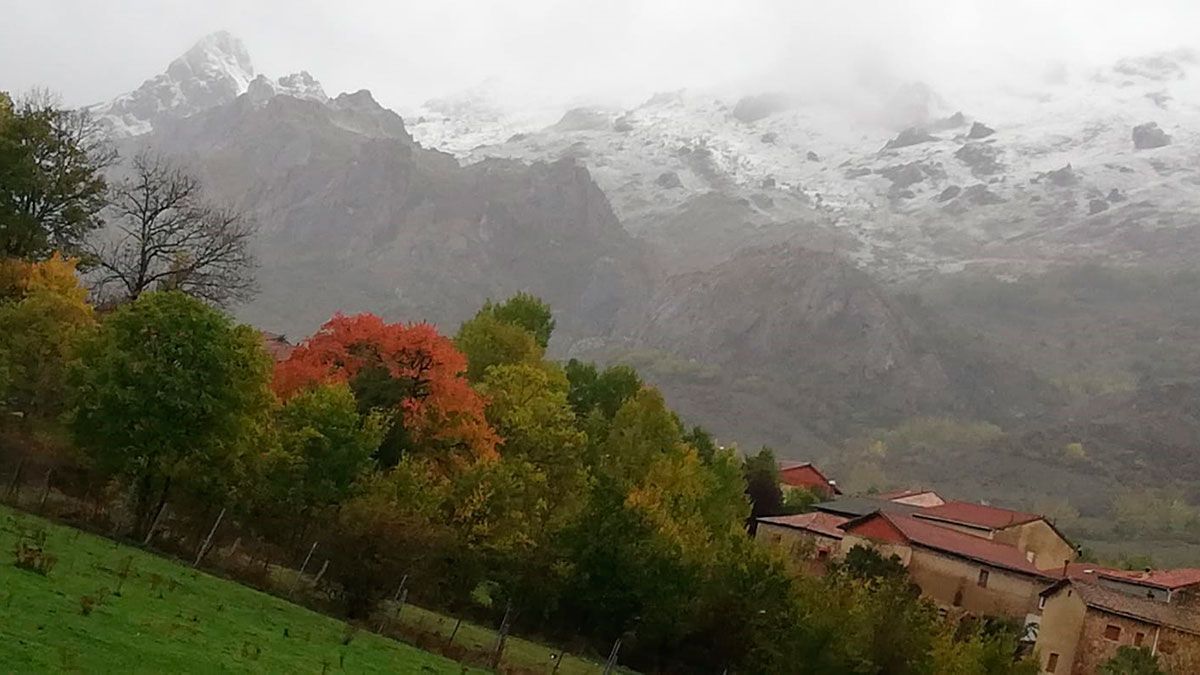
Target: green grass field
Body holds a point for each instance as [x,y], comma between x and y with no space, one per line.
[165,617]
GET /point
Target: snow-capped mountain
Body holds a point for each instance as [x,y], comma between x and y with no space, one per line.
[1022,178]
[215,71]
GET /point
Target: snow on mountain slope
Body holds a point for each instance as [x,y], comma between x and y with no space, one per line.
[1049,174]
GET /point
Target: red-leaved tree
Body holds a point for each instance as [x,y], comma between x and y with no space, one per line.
[406,367]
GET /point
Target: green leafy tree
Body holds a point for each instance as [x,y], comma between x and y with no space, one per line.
[799,500]
[702,442]
[52,185]
[169,394]
[643,430]
[487,341]
[527,406]
[761,473]
[601,391]
[396,525]
[865,563]
[1132,661]
[324,447]
[527,311]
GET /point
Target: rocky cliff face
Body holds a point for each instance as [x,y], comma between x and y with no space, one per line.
[799,348]
[355,216]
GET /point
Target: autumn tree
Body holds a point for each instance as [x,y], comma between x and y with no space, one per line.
[410,371]
[169,236]
[52,185]
[168,395]
[44,314]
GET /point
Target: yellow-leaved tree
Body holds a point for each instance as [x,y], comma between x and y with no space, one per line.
[43,313]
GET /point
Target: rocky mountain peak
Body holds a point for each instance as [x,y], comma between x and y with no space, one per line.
[300,85]
[217,57]
[214,71]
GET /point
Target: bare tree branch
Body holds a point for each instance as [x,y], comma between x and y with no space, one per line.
[171,237]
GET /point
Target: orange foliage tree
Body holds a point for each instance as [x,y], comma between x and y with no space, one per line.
[409,367]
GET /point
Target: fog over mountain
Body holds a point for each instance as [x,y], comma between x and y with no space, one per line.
[553,52]
[814,228]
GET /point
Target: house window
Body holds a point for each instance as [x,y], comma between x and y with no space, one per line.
[1166,647]
[1042,602]
[1052,663]
[1138,639]
[958,598]
[823,555]
[1112,632]
[983,578]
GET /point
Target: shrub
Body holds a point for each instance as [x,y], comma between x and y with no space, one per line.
[31,555]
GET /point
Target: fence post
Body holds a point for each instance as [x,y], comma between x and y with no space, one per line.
[454,632]
[154,525]
[303,566]
[16,479]
[399,590]
[562,654]
[46,490]
[321,573]
[233,549]
[612,657]
[208,540]
[502,637]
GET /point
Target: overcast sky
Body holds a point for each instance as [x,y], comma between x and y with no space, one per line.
[407,52]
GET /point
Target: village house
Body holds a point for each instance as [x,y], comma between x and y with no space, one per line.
[956,570]
[1030,533]
[988,561]
[805,475]
[966,558]
[809,539]
[1177,586]
[1085,623]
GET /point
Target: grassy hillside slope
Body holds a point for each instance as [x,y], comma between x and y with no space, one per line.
[164,617]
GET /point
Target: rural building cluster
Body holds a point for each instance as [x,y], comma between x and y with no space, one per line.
[984,561]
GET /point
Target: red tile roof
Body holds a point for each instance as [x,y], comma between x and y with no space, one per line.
[1085,571]
[1166,579]
[936,537]
[825,524]
[806,474]
[977,515]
